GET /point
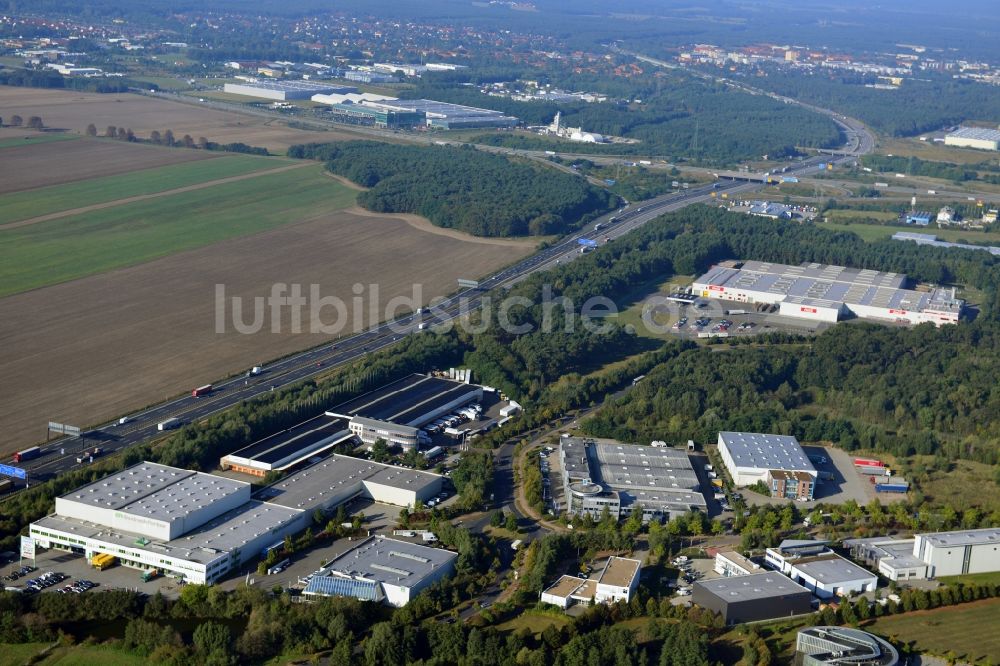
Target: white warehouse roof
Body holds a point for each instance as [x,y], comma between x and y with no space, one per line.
[760,451]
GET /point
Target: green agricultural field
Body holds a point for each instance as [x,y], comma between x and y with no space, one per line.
[47,137]
[81,655]
[874,232]
[46,253]
[971,631]
[42,201]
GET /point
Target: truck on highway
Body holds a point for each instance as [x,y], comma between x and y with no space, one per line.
[27,454]
[88,456]
[169,424]
[201,390]
[254,371]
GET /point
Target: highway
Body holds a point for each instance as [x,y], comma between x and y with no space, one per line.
[60,455]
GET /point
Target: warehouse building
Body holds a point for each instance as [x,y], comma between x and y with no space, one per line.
[617,582]
[959,553]
[373,114]
[932,239]
[397,411]
[762,596]
[825,293]
[284,91]
[288,448]
[974,137]
[188,524]
[623,477]
[842,646]
[339,479]
[200,526]
[776,460]
[444,115]
[830,575]
[382,570]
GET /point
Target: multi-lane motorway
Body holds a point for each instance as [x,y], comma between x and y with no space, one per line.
[60,455]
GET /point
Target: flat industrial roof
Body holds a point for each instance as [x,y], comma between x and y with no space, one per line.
[832,569]
[565,586]
[406,401]
[763,451]
[635,468]
[311,486]
[620,572]
[297,86]
[282,445]
[738,560]
[155,491]
[446,110]
[390,561]
[749,588]
[964,537]
[573,455]
[931,239]
[823,282]
[982,133]
[233,529]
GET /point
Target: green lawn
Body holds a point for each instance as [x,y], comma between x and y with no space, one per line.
[535,622]
[47,253]
[20,653]
[46,137]
[873,232]
[80,655]
[992,578]
[42,201]
[164,82]
[971,630]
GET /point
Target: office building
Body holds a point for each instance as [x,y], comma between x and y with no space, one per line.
[931,554]
[382,570]
[730,563]
[617,582]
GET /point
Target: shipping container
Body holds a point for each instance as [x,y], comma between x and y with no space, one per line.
[869,462]
[891,488]
[872,470]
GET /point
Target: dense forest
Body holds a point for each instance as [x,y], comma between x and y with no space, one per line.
[915,166]
[463,188]
[678,117]
[919,105]
[27,78]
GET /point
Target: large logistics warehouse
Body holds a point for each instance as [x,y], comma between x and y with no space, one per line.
[284,91]
[397,411]
[200,526]
[389,112]
[931,554]
[974,137]
[776,460]
[289,447]
[822,292]
[621,477]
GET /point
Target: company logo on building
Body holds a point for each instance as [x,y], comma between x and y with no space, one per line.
[901,312]
[715,288]
[804,309]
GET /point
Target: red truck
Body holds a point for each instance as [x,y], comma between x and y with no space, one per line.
[27,454]
[202,390]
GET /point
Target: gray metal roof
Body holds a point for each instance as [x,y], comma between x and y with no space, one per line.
[761,451]
[981,133]
[832,569]
[752,587]
[932,239]
[824,282]
[310,487]
[843,646]
[298,86]
[233,529]
[389,561]
[156,491]
[989,535]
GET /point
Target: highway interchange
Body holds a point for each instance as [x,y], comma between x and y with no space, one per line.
[59,456]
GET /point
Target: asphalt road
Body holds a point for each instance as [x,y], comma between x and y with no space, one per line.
[59,456]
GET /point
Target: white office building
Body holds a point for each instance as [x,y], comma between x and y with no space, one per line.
[959,553]
[730,563]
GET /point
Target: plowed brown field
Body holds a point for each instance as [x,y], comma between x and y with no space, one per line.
[91,349]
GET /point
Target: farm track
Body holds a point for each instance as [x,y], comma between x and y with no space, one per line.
[144,197]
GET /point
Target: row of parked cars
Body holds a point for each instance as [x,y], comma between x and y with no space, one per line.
[469,413]
[79,587]
[441,496]
[543,463]
[46,580]
[23,571]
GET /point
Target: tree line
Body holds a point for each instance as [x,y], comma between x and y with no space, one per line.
[463,188]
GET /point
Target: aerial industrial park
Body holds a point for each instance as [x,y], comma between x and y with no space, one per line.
[500,334]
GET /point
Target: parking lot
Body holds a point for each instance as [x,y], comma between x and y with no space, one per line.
[718,318]
[552,490]
[76,568]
